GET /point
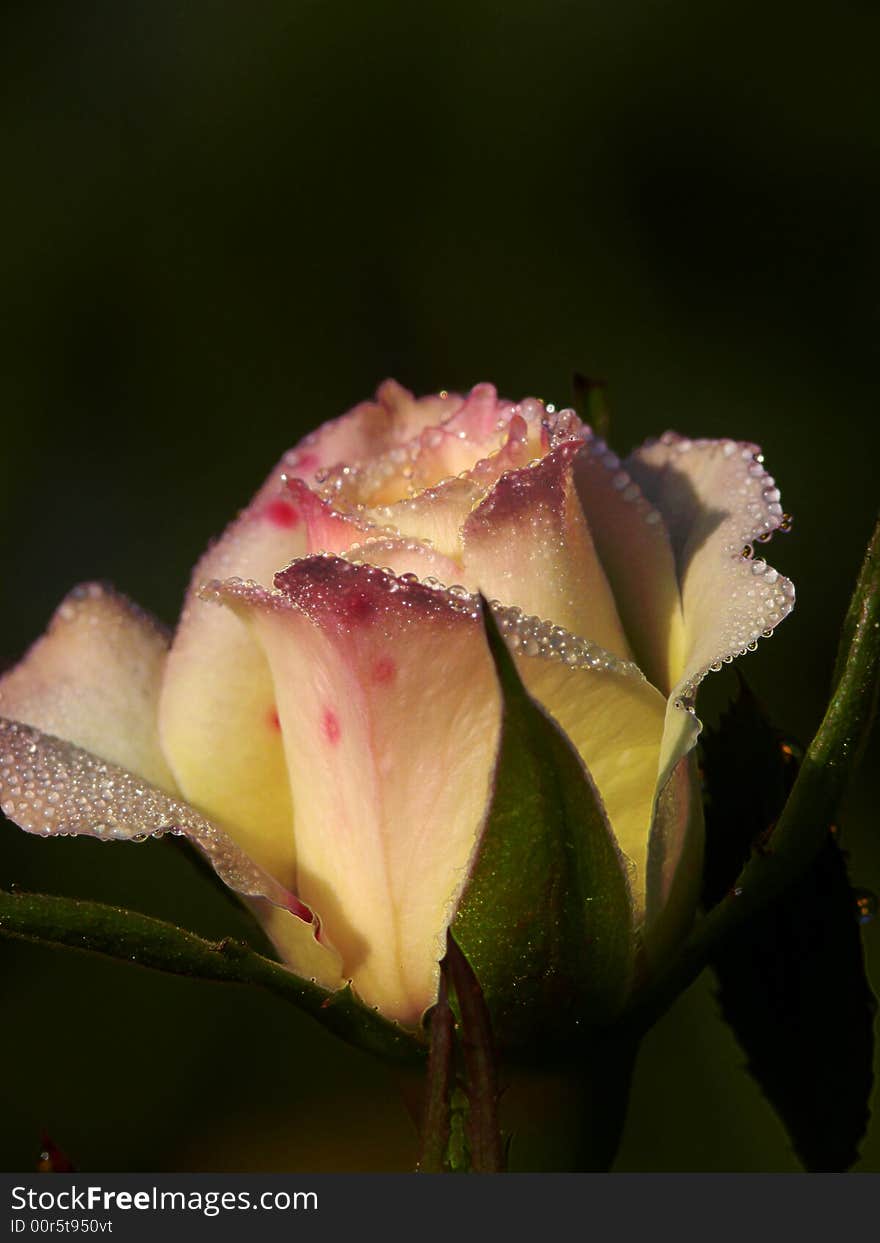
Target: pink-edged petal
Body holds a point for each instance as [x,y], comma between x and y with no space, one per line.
[479,427]
[93,679]
[51,787]
[716,499]
[634,547]
[528,544]
[479,418]
[326,529]
[390,711]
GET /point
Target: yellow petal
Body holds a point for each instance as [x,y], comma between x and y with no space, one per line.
[716,499]
[636,553]
[527,544]
[614,718]
[94,678]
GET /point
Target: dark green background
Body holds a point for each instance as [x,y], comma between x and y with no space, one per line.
[223,223]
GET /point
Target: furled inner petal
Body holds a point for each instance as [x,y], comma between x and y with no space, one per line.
[716,499]
[326,529]
[93,678]
[635,550]
[528,544]
[367,431]
[390,711]
[439,513]
[436,516]
[481,416]
[438,454]
[51,787]
[477,428]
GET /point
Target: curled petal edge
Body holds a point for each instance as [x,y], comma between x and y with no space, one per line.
[52,788]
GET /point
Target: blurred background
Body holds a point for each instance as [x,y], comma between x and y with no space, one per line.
[222,224]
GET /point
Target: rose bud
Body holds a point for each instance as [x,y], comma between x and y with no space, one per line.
[327,721]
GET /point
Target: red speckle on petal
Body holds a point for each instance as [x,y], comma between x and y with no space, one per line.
[384,670]
[357,607]
[282,514]
[330,727]
[273,720]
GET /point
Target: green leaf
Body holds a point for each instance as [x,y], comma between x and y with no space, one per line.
[792,984]
[134,938]
[546,918]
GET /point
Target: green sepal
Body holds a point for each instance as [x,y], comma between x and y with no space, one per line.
[147,942]
[546,917]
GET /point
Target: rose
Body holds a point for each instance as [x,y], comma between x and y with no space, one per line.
[328,735]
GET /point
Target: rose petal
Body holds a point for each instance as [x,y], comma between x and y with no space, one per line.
[675,847]
[218,718]
[94,678]
[528,544]
[367,431]
[406,557]
[478,427]
[438,514]
[478,417]
[390,711]
[217,713]
[716,499]
[635,550]
[612,715]
[435,516]
[326,529]
[51,787]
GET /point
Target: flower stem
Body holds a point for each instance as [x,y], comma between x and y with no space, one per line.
[135,938]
